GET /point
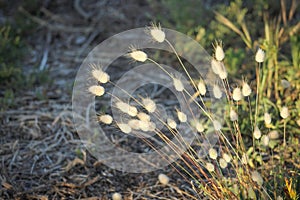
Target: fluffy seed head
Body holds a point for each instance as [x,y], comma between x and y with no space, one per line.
[237,94]
[125,128]
[233,115]
[149,105]
[144,126]
[143,117]
[100,76]
[246,90]
[213,154]
[273,135]
[163,179]
[202,88]
[267,118]
[134,124]
[126,108]
[256,133]
[181,116]
[97,90]
[285,83]
[106,119]
[210,167]
[178,84]
[171,123]
[216,66]
[223,163]
[199,127]
[116,196]
[217,125]
[132,111]
[223,74]
[217,91]
[260,56]
[265,140]
[219,53]
[257,178]
[284,113]
[157,34]
[226,157]
[138,55]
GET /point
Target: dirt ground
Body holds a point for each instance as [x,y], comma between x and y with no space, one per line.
[41,155]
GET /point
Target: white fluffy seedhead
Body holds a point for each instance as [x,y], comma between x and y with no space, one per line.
[171,123]
[226,157]
[216,66]
[143,117]
[210,167]
[233,115]
[199,127]
[237,94]
[217,125]
[138,55]
[100,75]
[181,116]
[260,56]
[219,53]
[125,128]
[134,124]
[201,87]
[156,33]
[126,108]
[222,70]
[223,163]
[267,118]
[246,90]
[273,135]
[178,84]
[217,91]
[265,140]
[132,111]
[284,113]
[213,154]
[106,119]
[149,105]
[163,179]
[256,133]
[144,125]
[116,196]
[97,90]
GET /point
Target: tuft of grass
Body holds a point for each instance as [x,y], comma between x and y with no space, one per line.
[250,157]
[13,78]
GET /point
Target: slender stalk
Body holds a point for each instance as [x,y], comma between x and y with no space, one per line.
[284,133]
[256,100]
[257,92]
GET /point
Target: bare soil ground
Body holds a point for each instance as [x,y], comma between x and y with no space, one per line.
[41,156]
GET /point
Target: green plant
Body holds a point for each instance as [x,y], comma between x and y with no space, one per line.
[10,49]
[13,78]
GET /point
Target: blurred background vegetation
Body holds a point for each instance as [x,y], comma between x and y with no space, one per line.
[15,31]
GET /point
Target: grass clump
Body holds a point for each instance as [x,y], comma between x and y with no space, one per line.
[14,78]
[249,158]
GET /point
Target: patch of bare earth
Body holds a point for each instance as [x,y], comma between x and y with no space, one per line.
[41,156]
